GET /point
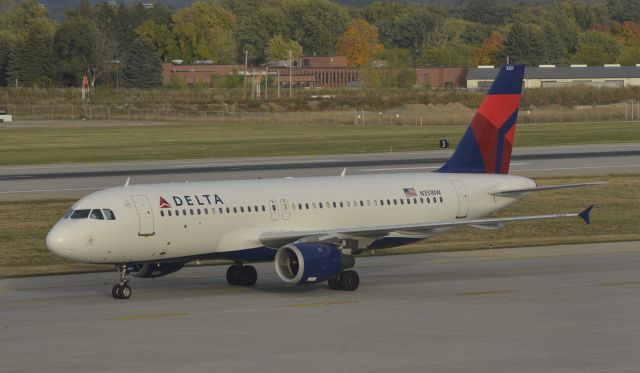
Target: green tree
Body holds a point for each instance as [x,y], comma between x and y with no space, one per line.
[29,63]
[488,12]
[205,30]
[525,43]
[258,26]
[389,68]
[142,68]
[278,48]
[596,48]
[317,25]
[163,39]
[625,10]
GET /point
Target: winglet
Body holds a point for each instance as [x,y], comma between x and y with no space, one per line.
[585,214]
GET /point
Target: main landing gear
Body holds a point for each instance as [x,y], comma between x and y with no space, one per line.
[122,290]
[239,274]
[347,281]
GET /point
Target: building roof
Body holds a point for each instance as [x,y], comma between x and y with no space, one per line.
[563,72]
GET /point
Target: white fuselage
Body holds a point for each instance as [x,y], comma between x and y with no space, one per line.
[187,221]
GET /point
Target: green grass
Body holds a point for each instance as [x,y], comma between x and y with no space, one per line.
[24,224]
[65,144]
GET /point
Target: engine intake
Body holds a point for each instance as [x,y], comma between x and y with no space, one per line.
[310,263]
[153,270]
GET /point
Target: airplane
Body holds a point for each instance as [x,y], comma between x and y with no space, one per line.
[310,227]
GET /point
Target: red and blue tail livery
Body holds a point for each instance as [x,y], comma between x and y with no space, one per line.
[486,146]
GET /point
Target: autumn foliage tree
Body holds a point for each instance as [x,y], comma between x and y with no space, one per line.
[490,51]
[359,43]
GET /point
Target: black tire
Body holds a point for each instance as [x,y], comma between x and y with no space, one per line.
[349,280]
[115,290]
[125,292]
[248,276]
[233,275]
[334,283]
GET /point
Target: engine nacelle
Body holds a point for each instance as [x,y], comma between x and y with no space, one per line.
[310,263]
[152,270]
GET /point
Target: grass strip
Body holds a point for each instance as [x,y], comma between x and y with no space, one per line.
[46,145]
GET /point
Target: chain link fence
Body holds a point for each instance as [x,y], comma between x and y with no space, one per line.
[428,115]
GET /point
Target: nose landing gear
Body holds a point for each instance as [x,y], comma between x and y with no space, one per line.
[122,290]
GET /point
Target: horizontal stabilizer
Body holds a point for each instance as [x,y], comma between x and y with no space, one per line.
[585,214]
[542,188]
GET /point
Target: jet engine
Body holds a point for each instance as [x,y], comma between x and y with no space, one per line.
[153,270]
[310,263]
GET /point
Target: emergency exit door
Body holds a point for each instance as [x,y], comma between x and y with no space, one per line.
[463,199]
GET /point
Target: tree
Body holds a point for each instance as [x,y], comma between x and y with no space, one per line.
[317,25]
[596,48]
[205,30]
[525,44]
[488,12]
[359,43]
[29,63]
[165,44]
[389,68]
[278,49]
[624,10]
[490,51]
[142,68]
[80,39]
[258,26]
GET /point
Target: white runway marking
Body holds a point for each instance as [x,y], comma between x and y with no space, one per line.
[416,168]
[578,168]
[49,190]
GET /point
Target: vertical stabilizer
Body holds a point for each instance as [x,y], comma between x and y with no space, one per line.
[487,143]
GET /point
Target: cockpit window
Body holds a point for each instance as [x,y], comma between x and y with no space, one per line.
[80,214]
[68,214]
[109,214]
[96,214]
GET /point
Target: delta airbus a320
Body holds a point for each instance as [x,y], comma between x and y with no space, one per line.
[313,227]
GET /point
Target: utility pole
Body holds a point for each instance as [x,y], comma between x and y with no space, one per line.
[290,73]
[244,81]
[266,83]
[278,84]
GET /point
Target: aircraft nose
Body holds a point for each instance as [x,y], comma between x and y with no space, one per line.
[59,241]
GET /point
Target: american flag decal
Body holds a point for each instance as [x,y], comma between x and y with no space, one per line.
[164,204]
[409,192]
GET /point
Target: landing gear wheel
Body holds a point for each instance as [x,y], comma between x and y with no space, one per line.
[233,275]
[334,283]
[122,290]
[349,280]
[248,276]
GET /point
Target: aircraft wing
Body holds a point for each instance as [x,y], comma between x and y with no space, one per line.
[280,238]
[505,192]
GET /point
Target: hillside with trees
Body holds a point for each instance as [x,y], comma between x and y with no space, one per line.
[113,45]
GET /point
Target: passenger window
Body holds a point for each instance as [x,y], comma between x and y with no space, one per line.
[108,214]
[320,204]
[306,205]
[264,208]
[220,210]
[235,210]
[415,201]
[96,214]
[299,206]
[401,201]
[206,211]
[161,213]
[177,212]
[348,204]
[441,200]
[395,201]
[428,200]
[248,208]
[80,214]
[191,211]
[421,200]
[335,205]
[388,202]
[228,210]
[198,211]
[341,205]
[381,202]
[241,208]
[184,212]
[169,212]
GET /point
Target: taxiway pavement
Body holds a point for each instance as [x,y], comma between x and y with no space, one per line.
[539,309]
